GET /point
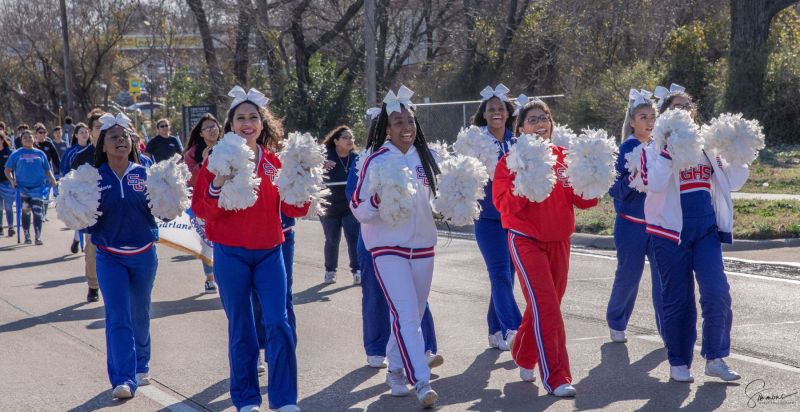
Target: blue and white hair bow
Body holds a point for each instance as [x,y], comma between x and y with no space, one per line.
[522,100]
[254,96]
[639,97]
[373,112]
[501,92]
[108,121]
[393,101]
[662,92]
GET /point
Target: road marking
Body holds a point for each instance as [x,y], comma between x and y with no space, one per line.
[762,262]
[788,322]
[589,338]
[164,399]
[745,358]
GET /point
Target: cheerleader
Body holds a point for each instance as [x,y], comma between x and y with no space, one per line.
[494,117]
[402,254]
[248,257]
[689,214]
[539,242]
[630,238]
[124,235]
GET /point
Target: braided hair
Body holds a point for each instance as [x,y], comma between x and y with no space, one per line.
[377,137]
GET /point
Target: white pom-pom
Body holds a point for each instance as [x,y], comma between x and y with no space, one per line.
[474,142]
[460,186]
[232,157]
[391,180]
[590,164]
[532,160]
[677,128]
[167,193]
[79,198]
[301,176]
[734,138]
[633,162]
[441,148]
[563,136]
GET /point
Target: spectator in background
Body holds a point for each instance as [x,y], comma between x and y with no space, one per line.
[59,142]
[17,138]
[163,145]
[69,128]
[3,128]
[7,193]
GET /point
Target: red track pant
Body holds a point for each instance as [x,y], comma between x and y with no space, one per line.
[542,269]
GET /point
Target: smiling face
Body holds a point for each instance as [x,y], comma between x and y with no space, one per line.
[247,122]
[27,140]
[163,129]
[344,143]
[642,122]
[496,114]
[209,131]
[402,129]
[117,143]
[83,136]
[537,121]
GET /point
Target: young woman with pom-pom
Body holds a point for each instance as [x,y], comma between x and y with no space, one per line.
[631,240]
[337,216]
[494,117]
[689,213]
[125,236]
[401,238]
[248,257]
[539,242]
[204,135]
[376,329]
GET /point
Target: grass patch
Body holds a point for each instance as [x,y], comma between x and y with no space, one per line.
[777,170]
[753,219]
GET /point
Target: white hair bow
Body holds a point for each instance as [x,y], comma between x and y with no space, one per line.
[373,112]
[501,92]
[662,92]
[393,101]
[638,97]
[108,121]
[522,100]
[254,96]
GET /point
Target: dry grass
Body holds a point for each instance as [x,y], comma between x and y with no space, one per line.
[777,170]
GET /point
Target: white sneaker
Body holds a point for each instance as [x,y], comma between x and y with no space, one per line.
[397,383]
[719,369]
[527,375]
[565,391]
[426,395]
[681,373]
[376,361]
[617,336]
[495,339]
[434,359]
[289,408]
[142,379]
[250,408]
[357,277]
[330,277]
[122,392]
[262,367]
[510,336]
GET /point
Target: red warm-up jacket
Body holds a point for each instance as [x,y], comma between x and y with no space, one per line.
[257,227]
[550,220]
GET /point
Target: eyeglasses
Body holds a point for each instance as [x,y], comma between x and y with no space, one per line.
[346,136]
[687,107]
[163,126]
[206,129]
[537,119]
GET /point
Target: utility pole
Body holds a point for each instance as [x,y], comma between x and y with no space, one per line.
[369,45]
[67,63]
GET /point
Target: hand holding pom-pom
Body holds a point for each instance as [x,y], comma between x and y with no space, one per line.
[676,130]
[474,142]
[167,193]
[633,162]
[460,186]
[231,161]
[391,180]
[563,136]
[301,176]
[78,199]
[734,138]
[590,164]
[532,160]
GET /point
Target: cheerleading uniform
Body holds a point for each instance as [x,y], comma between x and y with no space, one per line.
[689,215]
[125,235]
[248,256]
[633,244]
[539,241]
[403,260]
[503,314]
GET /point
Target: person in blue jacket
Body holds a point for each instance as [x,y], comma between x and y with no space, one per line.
[632,241]
[125,236]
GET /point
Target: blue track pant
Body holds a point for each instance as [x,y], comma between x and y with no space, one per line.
[288,261]
[503,314]
[633,244]
[126,283]
[239,271]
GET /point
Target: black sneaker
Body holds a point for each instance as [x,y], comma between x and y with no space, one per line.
[211,286]
[74,247]
[93,295]
[28,241]
[1,231]
[39,242]
[11,232]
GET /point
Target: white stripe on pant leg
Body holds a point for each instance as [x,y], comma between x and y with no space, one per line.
[537,332]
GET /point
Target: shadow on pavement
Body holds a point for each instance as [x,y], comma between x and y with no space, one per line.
[101,401]
[317,294]
[25,265]
[61,282]
[342,394]
[206,398]
[163,309]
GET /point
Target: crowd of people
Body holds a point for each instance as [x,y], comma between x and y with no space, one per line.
[678,224]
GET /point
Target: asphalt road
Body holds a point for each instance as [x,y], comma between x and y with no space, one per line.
[52,346]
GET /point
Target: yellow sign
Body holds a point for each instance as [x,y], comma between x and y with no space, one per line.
[134,86]
[141,42]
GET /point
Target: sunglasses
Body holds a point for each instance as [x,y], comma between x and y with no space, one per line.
[41,132]
[163,126]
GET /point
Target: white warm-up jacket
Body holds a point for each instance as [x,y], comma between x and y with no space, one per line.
[419,231]
[662,206]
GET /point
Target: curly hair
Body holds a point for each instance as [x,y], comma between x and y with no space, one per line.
[271,137]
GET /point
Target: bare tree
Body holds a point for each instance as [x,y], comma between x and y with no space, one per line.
[214,72]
